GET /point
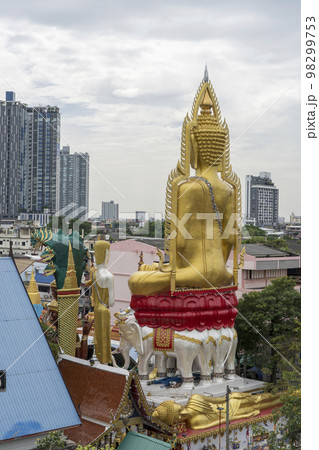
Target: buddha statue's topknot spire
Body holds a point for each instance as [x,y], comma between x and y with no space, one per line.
[206,77]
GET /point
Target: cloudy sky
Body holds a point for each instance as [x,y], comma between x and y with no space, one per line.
[124,74]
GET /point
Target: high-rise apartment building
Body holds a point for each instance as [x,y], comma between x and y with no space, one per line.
[74,182]
[13,117]
[110,210]
[262,199]
[41,186]
[29,157]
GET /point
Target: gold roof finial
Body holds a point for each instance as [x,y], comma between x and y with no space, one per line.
[33,290]
[70,281]
[141,261]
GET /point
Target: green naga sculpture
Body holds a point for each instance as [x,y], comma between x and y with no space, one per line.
[56,253]
[66,257]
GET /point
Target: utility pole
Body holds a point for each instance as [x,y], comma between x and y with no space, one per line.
[228,391]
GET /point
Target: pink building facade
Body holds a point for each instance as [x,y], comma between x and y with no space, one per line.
[124,259]
[263,264]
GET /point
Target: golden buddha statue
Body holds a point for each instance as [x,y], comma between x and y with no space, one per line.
[202,212]
[202,411]
[102,283]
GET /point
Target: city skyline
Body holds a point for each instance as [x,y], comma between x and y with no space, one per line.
[74,183]
[125,79]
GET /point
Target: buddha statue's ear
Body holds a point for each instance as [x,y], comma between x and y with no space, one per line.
[193,152]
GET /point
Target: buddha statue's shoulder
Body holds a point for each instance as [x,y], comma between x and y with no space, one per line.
[192,185]
[195,186]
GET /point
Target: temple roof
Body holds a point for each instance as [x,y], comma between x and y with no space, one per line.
[33,380]
[137,441]
[44,279]
[96,393]
[263,251]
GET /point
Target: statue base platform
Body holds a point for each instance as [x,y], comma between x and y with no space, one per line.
[156,394]
[199,310]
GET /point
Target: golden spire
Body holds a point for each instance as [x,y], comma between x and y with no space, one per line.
[33,290]
[141,261]
[70,281]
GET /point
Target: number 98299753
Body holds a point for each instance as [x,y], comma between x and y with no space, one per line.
[310,47]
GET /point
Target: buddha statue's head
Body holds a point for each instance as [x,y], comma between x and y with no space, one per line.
[168,412]
[209,135]
[102,252]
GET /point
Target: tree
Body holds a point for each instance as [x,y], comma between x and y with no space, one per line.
[60,222]
[86,227]
[275,314]
[252,230]
[52,441]
[266,324]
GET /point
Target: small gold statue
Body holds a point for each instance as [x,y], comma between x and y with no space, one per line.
[102,283]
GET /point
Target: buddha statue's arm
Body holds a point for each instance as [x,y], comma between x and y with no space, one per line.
[229,226]
[111,291]
[89,282]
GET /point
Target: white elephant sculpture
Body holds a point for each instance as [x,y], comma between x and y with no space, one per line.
[188,346]
[222,346]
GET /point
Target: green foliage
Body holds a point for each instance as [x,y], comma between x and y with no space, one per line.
[77,225]
[275,315]
[153,228]
[266,326]
[252,230]
[52,441]
[60,222]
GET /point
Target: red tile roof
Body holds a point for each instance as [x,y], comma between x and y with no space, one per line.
[96,394]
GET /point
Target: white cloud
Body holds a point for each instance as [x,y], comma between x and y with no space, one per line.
[125,73]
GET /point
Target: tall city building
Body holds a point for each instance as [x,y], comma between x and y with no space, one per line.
[74,182]
[41,165]
[110,210]
[29,157]
[262,199]
[13,142]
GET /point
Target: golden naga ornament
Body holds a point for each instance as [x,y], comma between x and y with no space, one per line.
[202,217]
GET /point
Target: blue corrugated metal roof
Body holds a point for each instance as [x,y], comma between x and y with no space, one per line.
[36,399]
[41,278]
[137,441]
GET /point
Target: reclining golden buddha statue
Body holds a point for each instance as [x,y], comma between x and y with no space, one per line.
[202,211]
[202,411]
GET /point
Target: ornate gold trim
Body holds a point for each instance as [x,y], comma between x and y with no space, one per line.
[214,433]
[210,338]
[224,338]
[189,339]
